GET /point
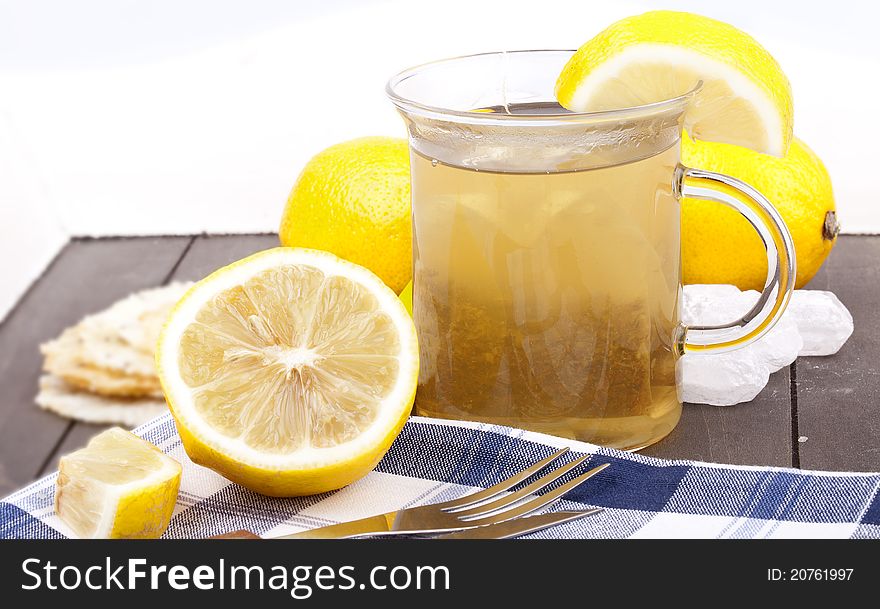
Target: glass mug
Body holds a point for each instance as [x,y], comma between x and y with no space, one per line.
[547,252]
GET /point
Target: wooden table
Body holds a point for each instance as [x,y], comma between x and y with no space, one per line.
[821,413]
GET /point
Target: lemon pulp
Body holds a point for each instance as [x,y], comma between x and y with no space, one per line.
[290,359]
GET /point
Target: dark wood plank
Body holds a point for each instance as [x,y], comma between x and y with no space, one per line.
[838,397]
[206,254]
[754,433]
[87,276]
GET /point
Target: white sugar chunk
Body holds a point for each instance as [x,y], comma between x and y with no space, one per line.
[823,321]
[712,304]
[722,379]
[815,323]
[781,345]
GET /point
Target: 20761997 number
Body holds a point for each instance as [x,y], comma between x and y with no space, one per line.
[806,574]
[820,574]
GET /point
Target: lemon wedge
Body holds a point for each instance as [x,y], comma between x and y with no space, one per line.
[745,98]
[119,487]
[289,372]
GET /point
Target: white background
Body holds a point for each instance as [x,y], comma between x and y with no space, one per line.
[187,116]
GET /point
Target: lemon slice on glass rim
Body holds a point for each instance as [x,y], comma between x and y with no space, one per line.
[289,372]
[745,98]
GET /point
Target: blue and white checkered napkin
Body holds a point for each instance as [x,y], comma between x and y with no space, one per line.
[436,460]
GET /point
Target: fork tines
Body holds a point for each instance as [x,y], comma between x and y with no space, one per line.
[493,506]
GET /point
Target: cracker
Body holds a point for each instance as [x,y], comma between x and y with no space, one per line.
[59,397]
[111,352]
[137,320]
[82,346]
[63,358]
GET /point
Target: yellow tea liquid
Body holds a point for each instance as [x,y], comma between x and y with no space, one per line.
[549,301]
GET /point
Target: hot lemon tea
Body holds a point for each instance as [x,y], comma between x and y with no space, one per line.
[529,315]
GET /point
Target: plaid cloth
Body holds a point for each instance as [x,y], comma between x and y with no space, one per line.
[436,460]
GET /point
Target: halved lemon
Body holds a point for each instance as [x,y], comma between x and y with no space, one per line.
[745,98]
[289,372]
[119,487]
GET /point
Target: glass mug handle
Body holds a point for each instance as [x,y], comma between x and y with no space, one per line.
[781,271]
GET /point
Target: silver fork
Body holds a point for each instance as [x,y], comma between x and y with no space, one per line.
[487,507]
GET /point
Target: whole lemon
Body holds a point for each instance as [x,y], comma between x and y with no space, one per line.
[720,246]
[353,199]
